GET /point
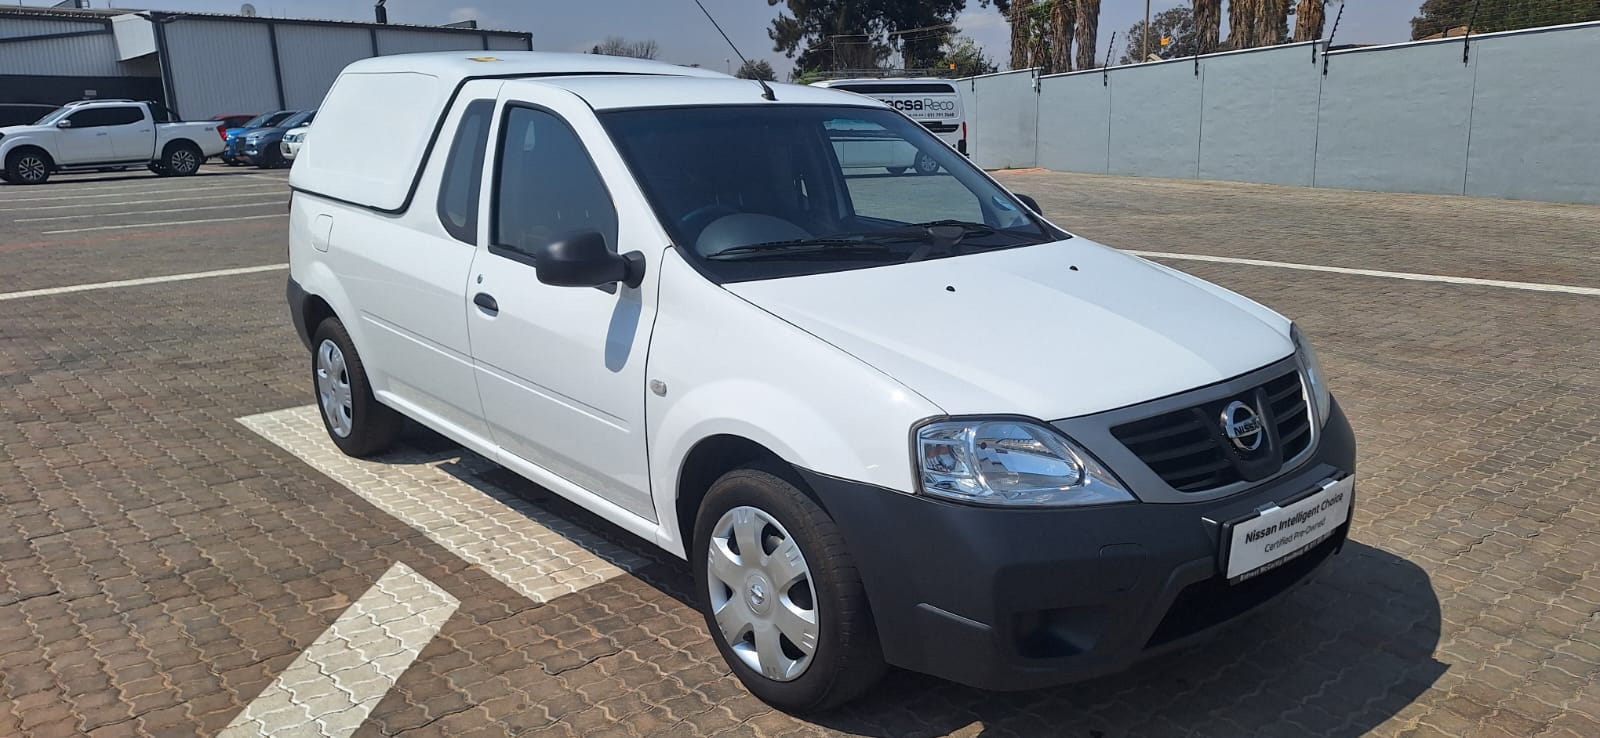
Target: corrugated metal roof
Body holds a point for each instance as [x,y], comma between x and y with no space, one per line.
[106,13]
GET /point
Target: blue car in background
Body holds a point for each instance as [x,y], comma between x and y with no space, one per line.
[260,146]
[235,136]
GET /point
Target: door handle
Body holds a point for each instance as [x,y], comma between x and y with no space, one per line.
[486,303]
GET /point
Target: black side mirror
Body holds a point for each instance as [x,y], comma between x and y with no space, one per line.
[583,260]
[1030,202]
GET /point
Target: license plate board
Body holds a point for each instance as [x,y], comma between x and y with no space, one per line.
[1276,535]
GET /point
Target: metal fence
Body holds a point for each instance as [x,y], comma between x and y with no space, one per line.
[1509,115]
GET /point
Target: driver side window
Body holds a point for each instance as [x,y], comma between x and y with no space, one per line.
[546,187]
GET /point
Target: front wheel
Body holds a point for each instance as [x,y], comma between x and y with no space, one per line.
[896,170]
[358,424]
[27,166]
[781,595]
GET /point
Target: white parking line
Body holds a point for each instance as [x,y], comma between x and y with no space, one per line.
[138,282]
[332,686]
[261,204]
[534,552]
[124,185]
[1533,286]
[123,203]
[102,195]
[163,225]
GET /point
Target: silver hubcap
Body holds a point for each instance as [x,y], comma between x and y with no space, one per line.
[333,389]
[183,161]
[31,168]
[762,595]
[926,164]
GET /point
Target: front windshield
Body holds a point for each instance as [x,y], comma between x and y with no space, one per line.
[299,119]
[52,116]
[772,191]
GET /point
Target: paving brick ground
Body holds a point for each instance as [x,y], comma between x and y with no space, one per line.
[161,564]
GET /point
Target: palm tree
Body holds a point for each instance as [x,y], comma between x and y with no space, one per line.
[1308,20]
[1242,23]
[1063,16]
[1088,32]
[1207,24]
[1020,31]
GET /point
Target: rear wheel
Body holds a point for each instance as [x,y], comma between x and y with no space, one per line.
[27,166]
[925,164]
[182,159]
[781,595]
[358,424]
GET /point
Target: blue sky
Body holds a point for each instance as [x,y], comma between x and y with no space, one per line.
[685,36]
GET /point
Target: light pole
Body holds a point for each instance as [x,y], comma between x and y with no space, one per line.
[1144,53]
[728,64]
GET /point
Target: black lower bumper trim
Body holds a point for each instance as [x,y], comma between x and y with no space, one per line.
[1018,599]
[297,311]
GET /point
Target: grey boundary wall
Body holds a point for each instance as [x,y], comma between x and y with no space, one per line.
[1520,119]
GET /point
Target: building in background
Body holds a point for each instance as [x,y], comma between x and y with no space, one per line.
[203,64]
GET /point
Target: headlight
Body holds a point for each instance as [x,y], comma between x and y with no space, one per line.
[1010,462]
[1321,398]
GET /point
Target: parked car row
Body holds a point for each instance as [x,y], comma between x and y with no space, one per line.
[259,140]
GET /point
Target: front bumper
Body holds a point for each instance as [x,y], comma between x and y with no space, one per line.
[1018,599]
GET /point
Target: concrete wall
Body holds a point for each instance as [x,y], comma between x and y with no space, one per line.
[1517,120]
[1274,90]
[1002,113]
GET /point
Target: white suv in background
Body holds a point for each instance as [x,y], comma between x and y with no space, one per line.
[888,420]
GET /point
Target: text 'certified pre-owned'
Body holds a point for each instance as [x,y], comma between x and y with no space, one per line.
[1280,534]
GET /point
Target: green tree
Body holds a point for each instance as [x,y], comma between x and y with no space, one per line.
[618,46]
[862,34]
[1438,17]
[756,69]
[1176,24]
[964,58]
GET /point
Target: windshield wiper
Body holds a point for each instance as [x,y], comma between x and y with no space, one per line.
[854,246]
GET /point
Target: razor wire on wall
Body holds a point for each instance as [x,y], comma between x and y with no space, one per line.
[1512,118]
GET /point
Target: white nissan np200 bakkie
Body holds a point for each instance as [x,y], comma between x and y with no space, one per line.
[888,420]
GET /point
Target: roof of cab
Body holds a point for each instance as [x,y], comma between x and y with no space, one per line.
[614,92]
[459,65]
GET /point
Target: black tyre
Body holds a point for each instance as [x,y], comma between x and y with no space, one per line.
[182,159]
[896,170]
[358,424]
[781,595]
[925,164]
[27,166]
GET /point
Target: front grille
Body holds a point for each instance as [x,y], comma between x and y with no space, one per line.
[1188,449]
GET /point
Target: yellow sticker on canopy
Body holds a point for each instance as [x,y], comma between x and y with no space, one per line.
[483,58]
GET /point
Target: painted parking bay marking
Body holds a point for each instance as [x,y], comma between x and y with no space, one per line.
[331,687]
[534,552]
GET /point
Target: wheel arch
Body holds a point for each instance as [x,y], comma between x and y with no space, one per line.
[26,147]
[716,455]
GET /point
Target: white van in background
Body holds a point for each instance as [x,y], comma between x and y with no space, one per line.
[932,102]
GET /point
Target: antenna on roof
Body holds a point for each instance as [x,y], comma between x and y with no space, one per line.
[766,92]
